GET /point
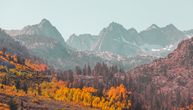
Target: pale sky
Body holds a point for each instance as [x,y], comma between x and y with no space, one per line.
[90,16]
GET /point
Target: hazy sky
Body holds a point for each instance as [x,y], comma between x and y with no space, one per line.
[90,16]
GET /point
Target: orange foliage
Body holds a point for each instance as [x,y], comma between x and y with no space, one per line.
[11,90]
[89,89]
[35,67]
[4,107]
[42,67]
[190,107]
[57,90]
[118,93]
[15,58]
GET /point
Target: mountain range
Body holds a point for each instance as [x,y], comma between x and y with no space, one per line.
[154,41]
[154,83]
[115,45]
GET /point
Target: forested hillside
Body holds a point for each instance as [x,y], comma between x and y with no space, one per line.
[30,84]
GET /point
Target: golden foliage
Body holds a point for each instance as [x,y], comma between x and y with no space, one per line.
[59,91]
[4,107]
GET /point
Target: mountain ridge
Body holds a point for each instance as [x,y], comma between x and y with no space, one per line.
[46,42]
[55,51]
[153,38]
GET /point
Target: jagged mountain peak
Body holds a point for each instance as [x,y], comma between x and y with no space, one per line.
[132,30]
[44,20]
[42,29]
[114,25]
[170,27]
[45,23]
[153,26]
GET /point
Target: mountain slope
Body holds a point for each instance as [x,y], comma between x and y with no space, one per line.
[166,76]
[92,58]
[44,41]
[11,45]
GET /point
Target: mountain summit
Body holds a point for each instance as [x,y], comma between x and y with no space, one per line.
[43,29]
[45,22]
[153,26]
[124,41]
[113,26]
[42,40]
